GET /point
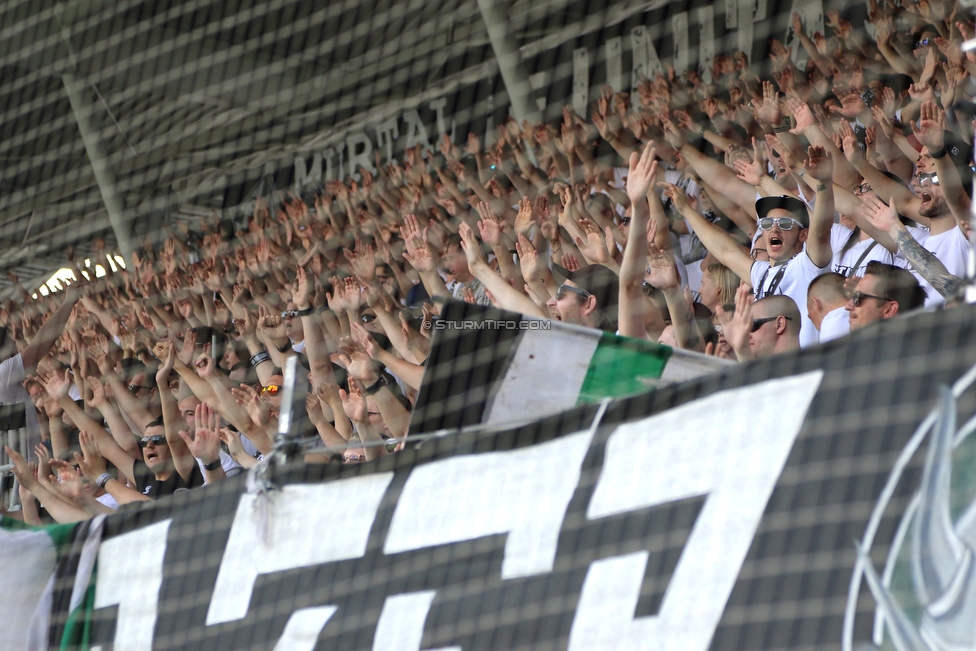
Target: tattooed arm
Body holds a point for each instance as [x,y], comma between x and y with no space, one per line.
[885,217]
[926,264]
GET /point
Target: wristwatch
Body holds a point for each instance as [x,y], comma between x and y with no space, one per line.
[308,311]
[213,465]
[374,388]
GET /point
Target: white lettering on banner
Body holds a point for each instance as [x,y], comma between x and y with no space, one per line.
[130,571]
[362,158]
[303,628]
[706,41]
[330,171]
[304,176]
[386,135]
[296,519]
[416,131]
[523,493]
[679,33]
[746,30]
[730,447]
[401,624]
[581,80]
[639,70]
[438,107]
[613,53]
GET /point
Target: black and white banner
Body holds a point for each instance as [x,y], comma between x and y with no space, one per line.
[720,513]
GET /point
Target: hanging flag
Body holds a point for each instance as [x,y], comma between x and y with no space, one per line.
[495,367]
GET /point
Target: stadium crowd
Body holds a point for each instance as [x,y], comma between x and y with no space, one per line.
[739,217]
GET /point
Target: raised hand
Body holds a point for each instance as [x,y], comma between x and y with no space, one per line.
[259,410]
[471,246]
[883,216]
[357,362]
[642,174]
[819,164]
[489,225]
[300,293]
[205,366]
[57,385]
[91,463]
[930,128]
[752,172]
[354,403]
[205,444]
[663,273]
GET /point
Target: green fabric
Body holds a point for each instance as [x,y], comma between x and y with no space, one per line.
[622,366]
[77,629]
[60,534]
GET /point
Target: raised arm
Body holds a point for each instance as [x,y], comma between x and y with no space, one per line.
[717,241]
[506,296]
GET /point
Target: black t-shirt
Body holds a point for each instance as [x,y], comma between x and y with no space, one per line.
[147,484]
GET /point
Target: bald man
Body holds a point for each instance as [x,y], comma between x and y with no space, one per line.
[776,324]
[826,303]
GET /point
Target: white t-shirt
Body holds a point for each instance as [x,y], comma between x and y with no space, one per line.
[843,261]
[835,325]
[952,250]
[12,392]
[107,500]
[790,279]
[694,272]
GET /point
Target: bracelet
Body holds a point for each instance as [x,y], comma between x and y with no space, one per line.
[213,465]
[374,388]
[308,311]
[323,308]
[939,154]
[783,127]
[801,173]
[259,357]
[286,347]
[102,479]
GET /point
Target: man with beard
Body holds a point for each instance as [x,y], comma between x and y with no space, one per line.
[937,199]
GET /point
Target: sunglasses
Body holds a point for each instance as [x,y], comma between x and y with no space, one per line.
[354,458]
[925,42]
[754,254]
[863,188]
[159,439]
[270,390]
[758,323]
[927,179]
[288,314]
[134,388]
[562,289]
[624,221]
[858,297]
[784,223]
[368,318]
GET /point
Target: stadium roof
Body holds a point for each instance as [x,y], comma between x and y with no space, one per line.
[184,97]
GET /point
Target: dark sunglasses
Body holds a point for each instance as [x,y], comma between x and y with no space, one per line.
[368,318]
[159,439]
[924,179]
[784,223]
[858,297]
[270,390]
[758,323]
[288,314]
[134,388]
[562,289]
[925,42]
[624,221]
